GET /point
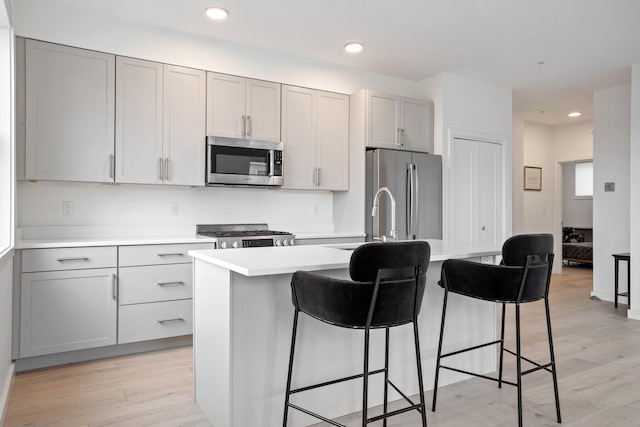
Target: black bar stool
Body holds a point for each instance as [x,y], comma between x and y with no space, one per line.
[386,289]
[524,276]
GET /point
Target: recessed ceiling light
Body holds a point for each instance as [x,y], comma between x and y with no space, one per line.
[575,114]
[353,47]
[216,13]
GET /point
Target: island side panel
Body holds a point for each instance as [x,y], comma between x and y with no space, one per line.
[262,326]
[212,362]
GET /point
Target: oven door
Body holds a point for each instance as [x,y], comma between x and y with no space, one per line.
[243,162]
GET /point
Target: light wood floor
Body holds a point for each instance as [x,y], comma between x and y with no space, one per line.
[597,351]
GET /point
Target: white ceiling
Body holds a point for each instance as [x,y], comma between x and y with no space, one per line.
[584,45]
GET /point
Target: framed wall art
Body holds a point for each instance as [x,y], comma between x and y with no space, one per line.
[532,178]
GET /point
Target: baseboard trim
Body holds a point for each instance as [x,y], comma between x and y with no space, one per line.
[6,391]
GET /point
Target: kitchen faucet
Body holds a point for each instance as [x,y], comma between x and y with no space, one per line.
[393,234]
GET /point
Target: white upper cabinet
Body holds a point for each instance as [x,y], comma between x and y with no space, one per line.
[242,108]
[417,124]
[70,95]
[160,123]
[333,141]
[138,121]
[184,125]
[315,130]
[398,122]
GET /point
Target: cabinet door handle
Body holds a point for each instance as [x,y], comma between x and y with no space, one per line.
[178,282]
[244,125]
[171,254]
[319,177]
[249,126]
[111,165]
[167,172]
[170,319]
[114,287]
[76,258]
[314,177]
[402,135]
[160,168]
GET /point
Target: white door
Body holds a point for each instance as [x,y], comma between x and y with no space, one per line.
[225,105]
[333,141]
[262,110]
[475,186]
[138,121]
[299,137]
[184,125]
[70,96]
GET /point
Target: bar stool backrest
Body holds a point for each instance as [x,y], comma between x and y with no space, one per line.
[397,270]
[535,252]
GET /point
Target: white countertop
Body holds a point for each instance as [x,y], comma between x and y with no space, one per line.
[284,260]
[108,241]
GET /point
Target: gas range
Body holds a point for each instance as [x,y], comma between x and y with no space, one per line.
[231,236]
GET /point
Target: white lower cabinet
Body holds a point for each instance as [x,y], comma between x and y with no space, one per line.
[141,322]
[65,307]
[79,298]
[155,291]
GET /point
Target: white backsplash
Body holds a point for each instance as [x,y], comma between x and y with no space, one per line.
[40,204]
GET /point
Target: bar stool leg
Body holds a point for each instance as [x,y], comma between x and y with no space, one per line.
[386,375]
[615,283]
[435,385]
[553,360]
[501,345]
[423,410]
[518,365]
[365,378]
[289,374]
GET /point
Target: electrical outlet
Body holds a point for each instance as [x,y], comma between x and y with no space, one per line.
[67,208]
[174,208]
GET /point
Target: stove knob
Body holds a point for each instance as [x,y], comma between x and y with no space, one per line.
[284,242]
[292,242]
[277,242]
[223,245]
[235,244]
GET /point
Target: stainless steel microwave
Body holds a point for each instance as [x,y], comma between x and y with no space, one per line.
[237,161]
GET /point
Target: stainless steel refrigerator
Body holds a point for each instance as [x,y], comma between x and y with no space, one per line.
[415,180]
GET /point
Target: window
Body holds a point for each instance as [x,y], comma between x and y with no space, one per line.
[584,179]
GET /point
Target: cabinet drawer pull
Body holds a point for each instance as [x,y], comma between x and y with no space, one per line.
[171,319]
[111,166]
[171,254]
[179,282]
[71,258]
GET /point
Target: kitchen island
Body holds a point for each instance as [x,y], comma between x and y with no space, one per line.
[243,316]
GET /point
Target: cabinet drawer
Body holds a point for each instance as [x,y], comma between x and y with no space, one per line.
[141,322]
[158,254]
[68,258]
[154,283]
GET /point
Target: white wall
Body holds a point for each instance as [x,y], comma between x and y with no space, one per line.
[40,203]
[6,206]
[634,189]
[477,110]
[611,210]
[517,175]
[6,364]
[538,205]
[576,212]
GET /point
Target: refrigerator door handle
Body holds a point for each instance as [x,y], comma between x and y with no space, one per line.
[409,207]
[415,203]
